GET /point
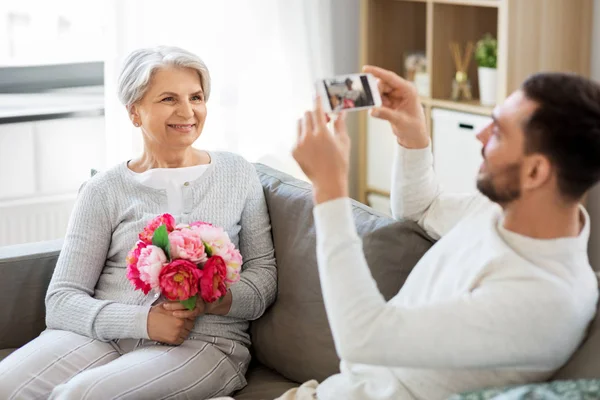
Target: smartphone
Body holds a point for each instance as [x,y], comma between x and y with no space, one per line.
[349,92]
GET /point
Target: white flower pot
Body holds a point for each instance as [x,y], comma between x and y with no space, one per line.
[487,85]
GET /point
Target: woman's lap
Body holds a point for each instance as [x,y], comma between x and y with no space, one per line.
[72,366]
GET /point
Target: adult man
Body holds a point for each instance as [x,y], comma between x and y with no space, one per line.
[506,294]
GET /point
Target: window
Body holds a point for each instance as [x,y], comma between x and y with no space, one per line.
[51,32]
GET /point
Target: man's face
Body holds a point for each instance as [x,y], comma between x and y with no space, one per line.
[503,150]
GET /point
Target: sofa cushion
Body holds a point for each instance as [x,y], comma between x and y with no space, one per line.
[5,353]
[263,384]
[293,337]
[392,251]
[30,268]
[585,363]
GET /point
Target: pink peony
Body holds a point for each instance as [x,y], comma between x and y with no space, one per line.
[233,260]
[150,263]
[214,238]
[187,244]
[179,280]
[164,219]
[133,273]
[212,282]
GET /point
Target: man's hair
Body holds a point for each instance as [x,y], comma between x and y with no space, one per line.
[566,128]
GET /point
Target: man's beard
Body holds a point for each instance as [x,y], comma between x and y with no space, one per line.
[502,186]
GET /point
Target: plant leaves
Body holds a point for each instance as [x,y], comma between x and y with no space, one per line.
[190,303]
[160,238]
[208,249]
[486,51]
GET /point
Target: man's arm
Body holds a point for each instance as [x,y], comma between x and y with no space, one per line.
[417,195]
[506,322]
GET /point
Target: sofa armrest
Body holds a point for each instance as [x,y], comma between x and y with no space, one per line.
[25,272]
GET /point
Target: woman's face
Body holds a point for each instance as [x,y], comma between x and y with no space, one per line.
[173,111]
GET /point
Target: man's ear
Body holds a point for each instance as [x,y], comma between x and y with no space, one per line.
[537,171]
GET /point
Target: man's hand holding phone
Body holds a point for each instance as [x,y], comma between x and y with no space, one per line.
[401,107]
[324,157]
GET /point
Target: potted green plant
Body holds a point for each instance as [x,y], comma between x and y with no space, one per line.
[486,56]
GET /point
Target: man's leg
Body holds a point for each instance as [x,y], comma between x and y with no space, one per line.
[196,369]
[54,357]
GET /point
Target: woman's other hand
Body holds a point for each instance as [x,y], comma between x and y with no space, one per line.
[178,310]
[164,327]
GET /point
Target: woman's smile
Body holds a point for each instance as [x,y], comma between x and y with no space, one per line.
[183,128]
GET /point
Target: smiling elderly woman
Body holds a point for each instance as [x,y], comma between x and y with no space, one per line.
[105,340]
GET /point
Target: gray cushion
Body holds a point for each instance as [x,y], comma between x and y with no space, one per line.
[26,270]
[293,337]
[585,363]
[5,353]
[263,384]
[392,251]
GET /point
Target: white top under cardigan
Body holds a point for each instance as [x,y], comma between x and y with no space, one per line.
[172,180]
[484,307]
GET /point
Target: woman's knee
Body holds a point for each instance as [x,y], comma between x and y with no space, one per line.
[77,389]
[53,358]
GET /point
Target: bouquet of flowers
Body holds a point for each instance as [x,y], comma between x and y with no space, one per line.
[184,261]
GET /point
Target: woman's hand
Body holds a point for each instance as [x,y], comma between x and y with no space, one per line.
[401,108]
[164,327]
[324,157]
[178,310]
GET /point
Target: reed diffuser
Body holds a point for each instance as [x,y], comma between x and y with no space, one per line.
[461,85]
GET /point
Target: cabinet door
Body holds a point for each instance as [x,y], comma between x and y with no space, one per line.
[17,161]
[381,144]
[68,149]
[456,150]
[380,203]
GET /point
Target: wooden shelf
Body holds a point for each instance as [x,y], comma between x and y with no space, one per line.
[378,192]
[476,3]
[473,107]
[533,36]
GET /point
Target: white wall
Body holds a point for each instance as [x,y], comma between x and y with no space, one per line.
[594,199]
[345,25]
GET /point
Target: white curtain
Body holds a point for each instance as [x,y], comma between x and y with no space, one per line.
[264,57]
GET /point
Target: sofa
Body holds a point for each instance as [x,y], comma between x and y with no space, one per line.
[292,342]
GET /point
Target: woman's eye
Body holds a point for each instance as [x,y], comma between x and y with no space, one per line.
[197,98]
[170,98]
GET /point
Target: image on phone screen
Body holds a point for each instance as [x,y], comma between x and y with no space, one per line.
[349,92]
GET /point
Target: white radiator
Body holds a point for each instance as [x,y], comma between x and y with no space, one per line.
[34,220]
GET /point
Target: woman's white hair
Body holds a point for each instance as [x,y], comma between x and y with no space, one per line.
[141,64]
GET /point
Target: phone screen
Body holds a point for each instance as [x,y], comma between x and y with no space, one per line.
[348,92]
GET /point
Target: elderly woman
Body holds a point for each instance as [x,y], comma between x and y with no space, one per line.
[104,339]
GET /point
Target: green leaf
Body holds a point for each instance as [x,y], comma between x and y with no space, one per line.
[190,303]
[208,249]
[161,239]
[486,51]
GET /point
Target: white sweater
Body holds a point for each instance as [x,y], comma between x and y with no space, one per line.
[484,307]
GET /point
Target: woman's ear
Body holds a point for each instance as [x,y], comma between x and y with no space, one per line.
[134,115]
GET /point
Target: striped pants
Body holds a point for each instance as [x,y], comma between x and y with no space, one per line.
[63,365]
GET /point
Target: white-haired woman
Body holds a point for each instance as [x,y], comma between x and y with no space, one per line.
[104,339]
